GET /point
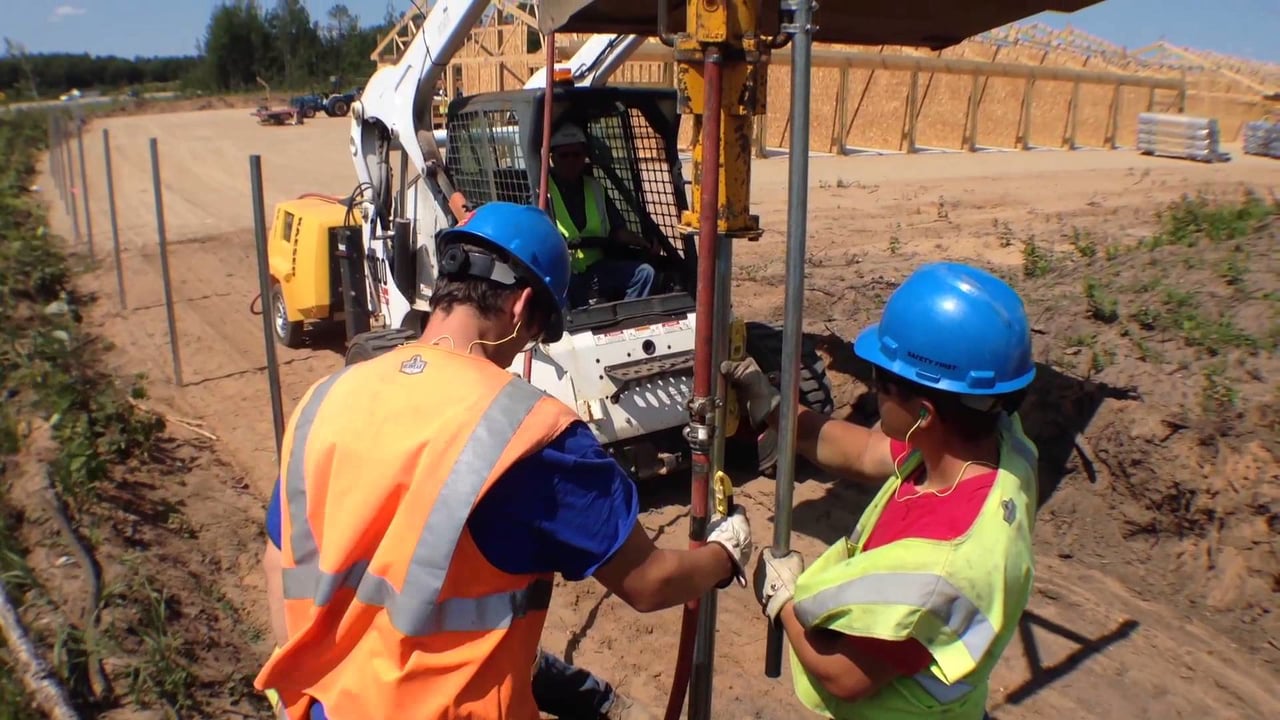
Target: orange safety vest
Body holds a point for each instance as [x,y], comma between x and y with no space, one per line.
[391,609]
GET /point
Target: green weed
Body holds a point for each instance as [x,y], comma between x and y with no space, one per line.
[1035,262]
[163,671]
[1004,233]
[1103,306]
[1083,242]
[1218,395]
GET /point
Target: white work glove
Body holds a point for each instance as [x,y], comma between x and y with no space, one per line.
[775,580]
[734,534]
[760,398]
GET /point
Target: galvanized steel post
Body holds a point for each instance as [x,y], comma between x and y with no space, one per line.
[793,304]
[111,213]
[264,287]
[84,188]
[164,264]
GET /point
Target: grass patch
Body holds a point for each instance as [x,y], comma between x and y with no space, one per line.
[1189,220]
[47,375]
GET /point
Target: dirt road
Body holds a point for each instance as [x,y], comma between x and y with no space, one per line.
[1101,639]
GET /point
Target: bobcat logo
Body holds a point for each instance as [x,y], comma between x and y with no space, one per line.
[413,366]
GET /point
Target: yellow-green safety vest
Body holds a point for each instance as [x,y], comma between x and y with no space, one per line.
[961,598]
[597,222]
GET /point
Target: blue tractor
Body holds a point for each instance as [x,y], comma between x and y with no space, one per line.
[332,103]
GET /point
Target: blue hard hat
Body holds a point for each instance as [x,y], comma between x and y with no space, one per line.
[526,237]
[955,328]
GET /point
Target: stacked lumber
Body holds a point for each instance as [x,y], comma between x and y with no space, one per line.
[1180,136]
[1262,137]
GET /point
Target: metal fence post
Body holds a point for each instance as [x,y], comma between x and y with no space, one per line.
[164,264]
[111,213]
[264,285]
[53,166]
[55,158]
[84,188]
[71,177]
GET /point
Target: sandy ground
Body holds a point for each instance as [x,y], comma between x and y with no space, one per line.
[1099,640]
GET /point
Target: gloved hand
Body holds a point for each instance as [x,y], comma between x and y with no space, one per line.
[775,580]
[734,534]
[757,394]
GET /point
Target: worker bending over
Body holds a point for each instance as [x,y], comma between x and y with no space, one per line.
[585,217]
[906,617]
[429,496]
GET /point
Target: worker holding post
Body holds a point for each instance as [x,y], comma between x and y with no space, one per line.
[586,217]
[906,617]
[428,496]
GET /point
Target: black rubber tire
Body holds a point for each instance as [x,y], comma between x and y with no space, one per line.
[287,332]
[338,107]
[369,345]
[764,344]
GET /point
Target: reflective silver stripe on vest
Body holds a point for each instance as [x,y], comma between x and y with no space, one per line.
[929,592]
[417,610]
[942,692]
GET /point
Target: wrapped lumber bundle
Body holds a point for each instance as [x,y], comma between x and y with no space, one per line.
[1262,137]
[1181,136]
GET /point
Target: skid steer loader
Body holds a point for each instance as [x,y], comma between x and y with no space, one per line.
[625,365]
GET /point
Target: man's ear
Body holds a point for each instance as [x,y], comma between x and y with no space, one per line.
[522,311]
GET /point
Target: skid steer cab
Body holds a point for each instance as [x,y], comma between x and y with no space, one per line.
[624,364]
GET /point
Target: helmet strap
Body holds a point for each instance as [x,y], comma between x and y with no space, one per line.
[458,260]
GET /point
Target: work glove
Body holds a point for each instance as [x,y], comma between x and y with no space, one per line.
[734,534]
[775,580]
[760,398]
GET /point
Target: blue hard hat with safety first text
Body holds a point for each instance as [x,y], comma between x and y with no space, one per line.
[956,328]
[527,236]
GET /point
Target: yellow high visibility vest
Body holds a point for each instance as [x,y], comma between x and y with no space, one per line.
[961,598]
[597,222]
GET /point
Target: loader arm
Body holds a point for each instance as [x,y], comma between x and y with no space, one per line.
[395,102]
[593,64]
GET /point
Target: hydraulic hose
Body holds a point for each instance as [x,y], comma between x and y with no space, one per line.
[701,406]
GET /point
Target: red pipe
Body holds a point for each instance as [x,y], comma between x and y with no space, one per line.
[544,179]
[703,377]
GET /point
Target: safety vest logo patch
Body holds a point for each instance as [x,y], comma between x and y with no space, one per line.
[1010,510]
[413,366]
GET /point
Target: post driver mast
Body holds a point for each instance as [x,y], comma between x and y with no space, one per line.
[721,59]
[721,72]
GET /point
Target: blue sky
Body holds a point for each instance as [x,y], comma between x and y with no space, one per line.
[1249,28]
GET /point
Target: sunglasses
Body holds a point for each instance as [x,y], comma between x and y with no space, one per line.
[882,383]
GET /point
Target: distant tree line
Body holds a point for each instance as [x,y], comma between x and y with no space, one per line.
[243,41]
[25,76]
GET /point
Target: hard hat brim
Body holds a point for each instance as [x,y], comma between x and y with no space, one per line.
[869,347]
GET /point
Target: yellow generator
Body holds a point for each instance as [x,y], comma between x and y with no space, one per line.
[314,282]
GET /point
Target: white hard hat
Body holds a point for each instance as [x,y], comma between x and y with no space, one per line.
[568,134]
